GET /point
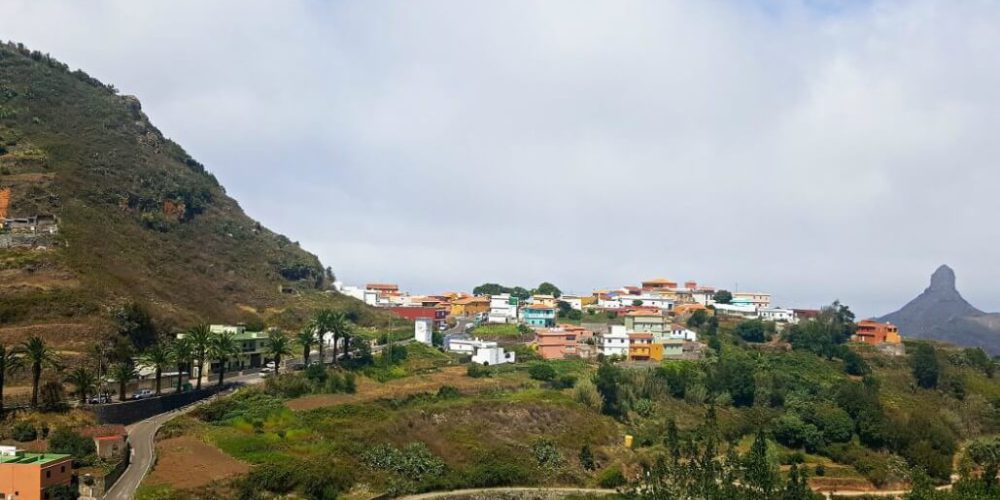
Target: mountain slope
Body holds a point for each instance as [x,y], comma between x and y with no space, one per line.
[941,313]
[139,220]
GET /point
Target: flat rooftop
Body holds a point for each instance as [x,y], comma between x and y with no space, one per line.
[32,458]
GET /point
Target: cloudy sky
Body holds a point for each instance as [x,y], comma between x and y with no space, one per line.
[814,149]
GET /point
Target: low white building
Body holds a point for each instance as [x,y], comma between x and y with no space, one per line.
[703,296]
[369,297]
[503,309]
[615,342]
[574,301]
[484,352]
[777,314]
[678,332]
[739,311]
[423,331]
[646,300]
[610,302]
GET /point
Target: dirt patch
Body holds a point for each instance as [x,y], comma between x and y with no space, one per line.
[840,484]
[186,462]
[369,390]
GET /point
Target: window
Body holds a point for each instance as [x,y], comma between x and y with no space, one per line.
[62,468]
[48,473]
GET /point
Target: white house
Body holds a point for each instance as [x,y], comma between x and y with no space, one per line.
[615,342]
[369,297]
[740,311]
[574,301]
[678,332]
[423,330]
[777,314]
[503,309]
[611,302]
[648,300]
[483,352]
[703,296]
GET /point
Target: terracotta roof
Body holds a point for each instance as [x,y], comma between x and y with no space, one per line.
[640,335]
[660,281]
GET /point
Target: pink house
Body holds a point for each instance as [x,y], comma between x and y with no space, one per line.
[556,343]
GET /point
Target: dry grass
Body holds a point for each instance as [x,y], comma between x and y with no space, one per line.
[369,390]
[186,462]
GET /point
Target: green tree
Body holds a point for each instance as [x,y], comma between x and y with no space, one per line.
[925,366]
[84,382]
[985,453]
[547,288]
[10,362]
[324,324]
[201,339]
[134,323]
[490,289]
[305,339]
[854,364]
[607,380]
[752,330]
[760,474]
[182,354]
[37,355]
[156,356]
[222,348]
[697,319]
[341,329]
[542,371]
[278,345]
[123,372]
[723,297]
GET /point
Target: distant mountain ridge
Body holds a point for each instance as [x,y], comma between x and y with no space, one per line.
[941,313]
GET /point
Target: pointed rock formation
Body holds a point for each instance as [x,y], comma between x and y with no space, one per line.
[941,313]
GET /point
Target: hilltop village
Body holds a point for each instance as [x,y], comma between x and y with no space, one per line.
[653,321]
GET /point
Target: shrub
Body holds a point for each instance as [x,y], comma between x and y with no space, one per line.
[52,397]
[448,392]
[350,383]
[644,407]
[612,477]
[67,441]
[564,382]
[542,371]
[547,455]
[24,432]
[287,385]
[497,468]
[316,373]
[586,394]
[478,371]
[587,458]
[415,461]
[820,470]
[791,431]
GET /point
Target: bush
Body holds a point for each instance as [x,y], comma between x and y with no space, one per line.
[316,373]
[497,468]
[66,441]
[52,397]
[287,385]
[350,383]
[448,392]
[542,371]
[414,462]
[564,382]
[792,432]
[478,371]
[820,470]
[611,478]
[547,455]
[24,432]
[752,330]
[644,407]
[586,394]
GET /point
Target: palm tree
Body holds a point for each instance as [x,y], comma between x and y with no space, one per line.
[157,356]
[338,325]
[278,345]
[38,356]
[201,338]
[305,338]
[123,372]
[84,381]
[182,353]
[222,348]
[10,362]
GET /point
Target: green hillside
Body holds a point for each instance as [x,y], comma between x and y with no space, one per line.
[139,220]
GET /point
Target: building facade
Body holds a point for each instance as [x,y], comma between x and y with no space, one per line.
[540,316]
[614,342]
[644,321]
[27,476]
[439,315]
[556,343]
[503,308]
[873,332]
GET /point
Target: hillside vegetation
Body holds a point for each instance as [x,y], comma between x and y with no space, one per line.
[139,219]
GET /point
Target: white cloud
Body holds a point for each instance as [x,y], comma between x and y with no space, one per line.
[810,151]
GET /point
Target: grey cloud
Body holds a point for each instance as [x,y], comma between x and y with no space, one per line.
[812,151]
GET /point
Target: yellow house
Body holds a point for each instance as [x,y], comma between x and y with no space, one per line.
[470,306]
[642,347]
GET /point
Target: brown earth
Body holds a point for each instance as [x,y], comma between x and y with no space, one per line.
[369,390]
[186,462]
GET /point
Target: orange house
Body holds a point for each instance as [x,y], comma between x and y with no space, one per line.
[470,306]
[873,332]
[642,348]
[556,343]
[658,284]
[26,476]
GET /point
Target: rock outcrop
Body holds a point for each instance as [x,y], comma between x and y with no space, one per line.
[941,313]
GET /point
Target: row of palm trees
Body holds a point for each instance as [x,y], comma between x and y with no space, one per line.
[326,322]
[199,345]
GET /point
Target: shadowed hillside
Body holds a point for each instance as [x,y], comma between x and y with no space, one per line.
[136,219]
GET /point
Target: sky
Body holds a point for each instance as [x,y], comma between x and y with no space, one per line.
[817,150]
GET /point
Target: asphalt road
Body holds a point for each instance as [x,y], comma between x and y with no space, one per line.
[141,436]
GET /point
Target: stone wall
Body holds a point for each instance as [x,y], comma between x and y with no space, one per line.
[129,412]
